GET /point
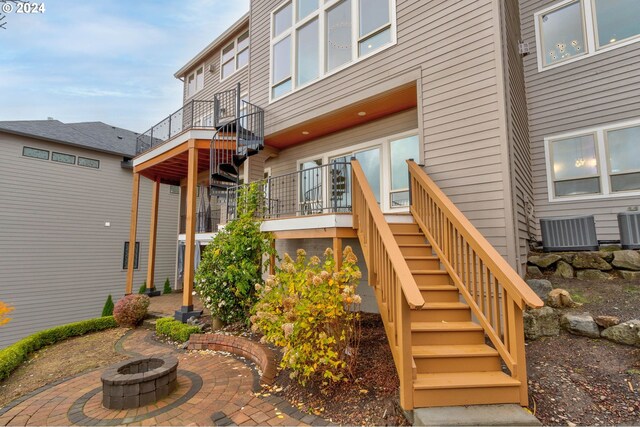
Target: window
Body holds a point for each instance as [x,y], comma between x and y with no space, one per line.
[574,29]
[63,158]
[400,151]
[311,39]
[125,257]
[35,153]
[174,189]
[600,162]
[88,163]
[195,81]
[234,56]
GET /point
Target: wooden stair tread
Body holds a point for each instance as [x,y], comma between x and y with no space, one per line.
[444,306]
[430,272]
[406,233]
[445,326]
[437,288]
[448,380]
[468,350]
[414,245]
[418,257]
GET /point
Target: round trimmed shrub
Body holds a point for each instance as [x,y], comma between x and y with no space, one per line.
[130,310]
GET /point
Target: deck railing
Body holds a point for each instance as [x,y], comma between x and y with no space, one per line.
[206,222]
[495,292]
[194,114]
[396,289]
[319,190]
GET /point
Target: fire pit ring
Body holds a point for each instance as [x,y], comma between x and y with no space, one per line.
[139,382]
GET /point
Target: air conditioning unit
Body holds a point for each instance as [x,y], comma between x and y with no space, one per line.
[569,234]
[629,225]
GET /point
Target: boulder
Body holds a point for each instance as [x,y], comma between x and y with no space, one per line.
[580,324]
[544,261]
[541,322]
[559,298]
[605,255]
[624,333]
[541,287]
[533,271]
[592,275]
[627,260]
[607,321]
[567,256]
[591,261]
[630,275]
[564,270]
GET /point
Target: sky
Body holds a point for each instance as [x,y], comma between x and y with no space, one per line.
[104,60]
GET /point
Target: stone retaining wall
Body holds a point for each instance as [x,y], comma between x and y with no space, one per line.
[605,264]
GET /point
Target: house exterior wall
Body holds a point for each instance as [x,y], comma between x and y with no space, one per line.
[59,261]
[592,91]
[460,97]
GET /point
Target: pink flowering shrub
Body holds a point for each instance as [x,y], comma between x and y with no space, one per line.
[311,311]
[130,310]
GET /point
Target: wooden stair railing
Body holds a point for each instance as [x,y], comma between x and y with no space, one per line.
[395,287]
[495,292]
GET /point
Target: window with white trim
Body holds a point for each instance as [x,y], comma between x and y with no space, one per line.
[234,56]
[573,29]
[311,39]
[195,81]
[598,162]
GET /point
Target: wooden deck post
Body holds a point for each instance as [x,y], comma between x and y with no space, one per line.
[153,232]
[132,233]
[337,252]
[272,259]
[186,311]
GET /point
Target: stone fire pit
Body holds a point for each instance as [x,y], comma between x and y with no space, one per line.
[139,382]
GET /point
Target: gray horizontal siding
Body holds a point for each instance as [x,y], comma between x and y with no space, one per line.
[58,261]
[601,89]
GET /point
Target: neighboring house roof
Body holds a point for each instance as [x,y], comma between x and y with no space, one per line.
[92,135]
[212,46]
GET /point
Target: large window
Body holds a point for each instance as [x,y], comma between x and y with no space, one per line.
[125,256]
[572,29]
[598,162]
[234,56]
[195,81]
[313,38]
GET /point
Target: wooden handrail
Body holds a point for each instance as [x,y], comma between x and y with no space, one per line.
[493,290]
[394,285]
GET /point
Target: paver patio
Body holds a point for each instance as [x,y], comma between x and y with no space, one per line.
[214,389]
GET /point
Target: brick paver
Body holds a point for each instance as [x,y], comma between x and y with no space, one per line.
[214,389]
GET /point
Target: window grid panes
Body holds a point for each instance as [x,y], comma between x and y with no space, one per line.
[88,163]
[63,158]
[195,81]
[562,33]
[616,20]
[333,33]
[234,56]
[623,158]
[35,153]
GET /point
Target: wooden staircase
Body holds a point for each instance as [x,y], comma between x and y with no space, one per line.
[453,364]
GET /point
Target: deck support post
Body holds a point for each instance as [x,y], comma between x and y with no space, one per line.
[272,258]
[153,232]
[186,311]
[337,253]
[132,233]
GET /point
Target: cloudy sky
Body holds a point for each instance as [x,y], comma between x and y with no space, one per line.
[104,60]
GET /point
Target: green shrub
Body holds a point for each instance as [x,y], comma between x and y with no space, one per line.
[130,310]
[12,356]
[107,310]
[143,288]
[167,287]
[233,263]
[175,330]
[310,310]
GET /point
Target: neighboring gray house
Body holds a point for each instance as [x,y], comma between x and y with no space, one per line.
[65,200]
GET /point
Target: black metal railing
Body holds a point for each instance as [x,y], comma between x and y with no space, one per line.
[194,114]
[206,222]
[318,190]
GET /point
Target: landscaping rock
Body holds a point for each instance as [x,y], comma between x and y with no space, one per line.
[607,321]
[564,269]
[592,275]
[624,333]
[567,256]
[541,322]
[544,261]
[559,298]
[591,261]
[541,287]
[605,255]
[580,324]
[627,260]
[533,271]
[630,275]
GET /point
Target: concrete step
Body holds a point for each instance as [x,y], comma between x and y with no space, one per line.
[475,415]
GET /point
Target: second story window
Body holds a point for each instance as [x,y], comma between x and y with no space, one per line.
[195,81]
[234,56]
[572,29]
[311,39]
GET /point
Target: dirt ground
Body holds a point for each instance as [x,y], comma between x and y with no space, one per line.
[62,360]
[588,381]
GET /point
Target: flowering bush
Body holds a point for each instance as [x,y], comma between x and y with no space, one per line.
[311,311]
[233,262]
[130,310]
[4,310]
